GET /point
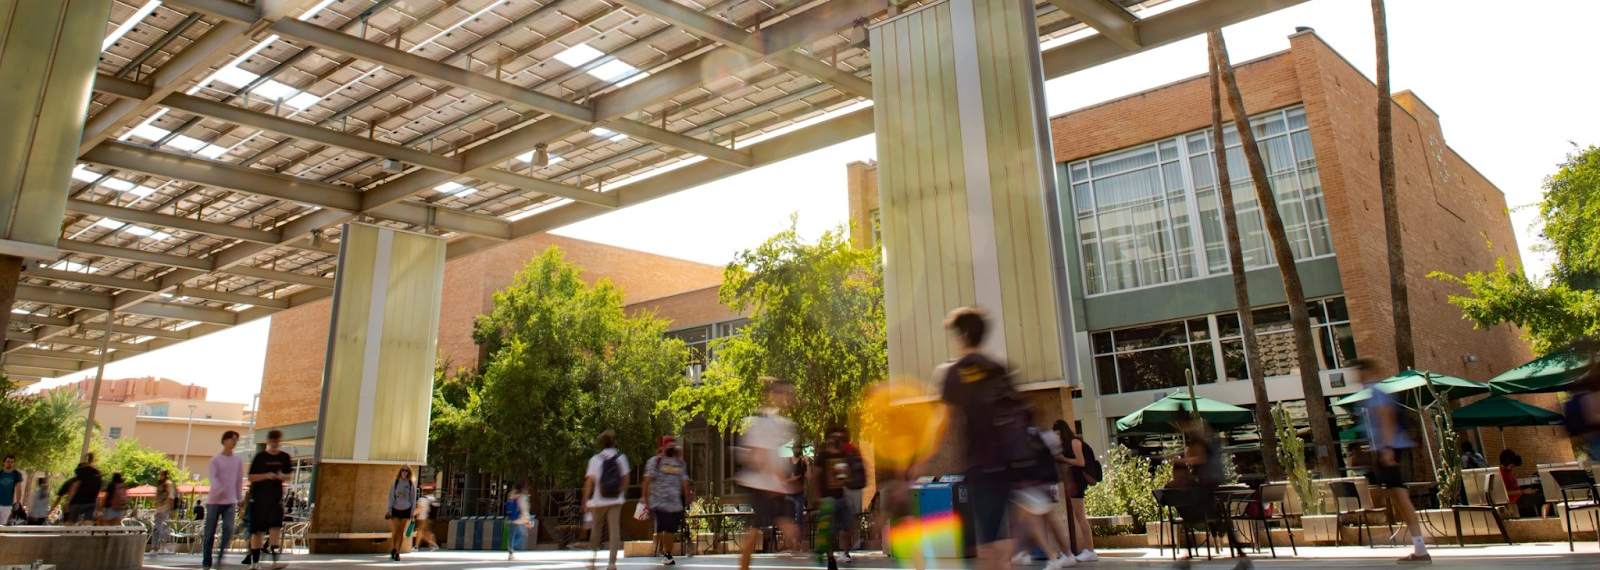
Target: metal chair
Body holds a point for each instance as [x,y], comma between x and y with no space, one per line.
[1490,504]
[1575,484]
[1345,491]
[1268,495]
[1170,501]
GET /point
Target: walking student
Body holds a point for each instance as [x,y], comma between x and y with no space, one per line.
[424,521]
[10,489]
[226,472]
[1390,446]
[666,490]
[799,480]
[80,493]
[518,520]
[402,499]
[976,387]
[39,503]
[268,470]
[837,470]
[166,494]
[763,473]
[115,505]
[604,483]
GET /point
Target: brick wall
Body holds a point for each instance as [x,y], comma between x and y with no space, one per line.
[698,307]
[862,184]
[297,341]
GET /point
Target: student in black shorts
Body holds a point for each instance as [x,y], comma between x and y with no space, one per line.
[1390,445]
[268,470]
[988,479]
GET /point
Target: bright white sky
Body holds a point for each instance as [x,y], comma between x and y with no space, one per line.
[1502,80]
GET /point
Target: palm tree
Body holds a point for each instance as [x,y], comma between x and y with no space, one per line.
[1404,352]
[1241,289]
[1310,378]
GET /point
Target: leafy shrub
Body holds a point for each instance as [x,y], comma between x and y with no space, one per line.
[1129,487]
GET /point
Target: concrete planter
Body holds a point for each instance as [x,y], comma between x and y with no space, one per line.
[1152,535]
[1320,528]
[1118,520]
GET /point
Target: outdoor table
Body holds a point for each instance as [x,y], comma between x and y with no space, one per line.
[1226,496]
[1423,494]
[718,522]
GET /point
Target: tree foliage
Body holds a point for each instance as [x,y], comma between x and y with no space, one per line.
[43,430]
[565,362]
[138,464]
[817,319]
[1564,305]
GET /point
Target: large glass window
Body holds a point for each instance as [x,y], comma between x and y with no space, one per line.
[1137,209]
[1154,357]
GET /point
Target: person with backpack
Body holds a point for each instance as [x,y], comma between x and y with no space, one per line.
[839,469]
[114,507]
[1035,501]
[665,492]
[166,495]
[79,494]
[1390,446]
[604,483]
[978,389]
[518,519]
[39,503]
[402,499]
[1083,470]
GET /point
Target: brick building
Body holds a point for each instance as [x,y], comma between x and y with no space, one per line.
[1146,263]
[125,390]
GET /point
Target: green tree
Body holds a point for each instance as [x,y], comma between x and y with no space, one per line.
[1565,304]
[139,464]
[565,363]
[1129,487]
[42,430]
[817,319]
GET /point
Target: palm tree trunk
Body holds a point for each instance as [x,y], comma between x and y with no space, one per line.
[1310,378]
[1399,298]
[1241,289]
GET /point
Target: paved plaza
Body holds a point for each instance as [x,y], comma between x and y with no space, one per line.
[1545,556]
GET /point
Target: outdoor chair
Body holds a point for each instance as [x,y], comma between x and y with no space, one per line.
[1345,493]
[1547,484]
[1577,494]
[1270,504]
[1490,499]
[1171,502]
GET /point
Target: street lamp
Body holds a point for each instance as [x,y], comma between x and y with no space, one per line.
[186,437]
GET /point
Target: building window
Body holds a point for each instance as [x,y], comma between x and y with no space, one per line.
[156,410]
[699,341]
[877,229]
[115,433]
[1156,357]
[1136,208]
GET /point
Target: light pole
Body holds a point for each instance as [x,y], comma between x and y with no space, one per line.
[187,434]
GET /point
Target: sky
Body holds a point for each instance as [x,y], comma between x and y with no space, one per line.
[1508,86]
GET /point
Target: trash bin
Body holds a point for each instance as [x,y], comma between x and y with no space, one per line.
[945,509]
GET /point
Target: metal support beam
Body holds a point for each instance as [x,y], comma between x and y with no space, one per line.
[63,297]
[1156,31]
[90,279]
[542,186]
[51,364]
[226,297]
[701,25]
[281,276]
[223,39]
[185,312]
[139,255]
[845,81]
[1106,17]
[174,222]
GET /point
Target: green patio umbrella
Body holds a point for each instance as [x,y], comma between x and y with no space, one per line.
[1414,380]
[1162,416]
[1501,411]
[1549,373]
[1353,434]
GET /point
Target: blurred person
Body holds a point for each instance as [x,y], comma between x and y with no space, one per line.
[604,484]
[39,502]
[979,389]
[424,521]
[10,489]
[166,494]
[1197,474]
[1582,410]
[798,478]
[226,472]
[1034,504]
[519,519]
[1390,446]
[268,470]
[666,492]
[838,469]
[904,436]
[1075,458]
[763,474]
[114,507]
[80,493]
[402,499]
[1470,458]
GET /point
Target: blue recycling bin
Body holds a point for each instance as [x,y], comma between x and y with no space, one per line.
[945,509]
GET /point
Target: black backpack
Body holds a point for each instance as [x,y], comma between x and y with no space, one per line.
[1577,418]
[610,477]
[1093,471]
[858,471]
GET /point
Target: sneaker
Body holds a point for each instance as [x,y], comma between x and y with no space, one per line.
[255,566]
[277,566]
[434,548]
[1063,560]
[1088,556]
[1244,564]
[1415,558]
[150,554]
[847,559]
[1022,559]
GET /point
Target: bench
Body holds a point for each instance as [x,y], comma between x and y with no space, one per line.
[348,536]
[74,547]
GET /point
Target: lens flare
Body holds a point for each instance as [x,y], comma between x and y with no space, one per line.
[903,422]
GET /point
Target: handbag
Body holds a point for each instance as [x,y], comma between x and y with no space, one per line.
[411,527]
[640,512]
